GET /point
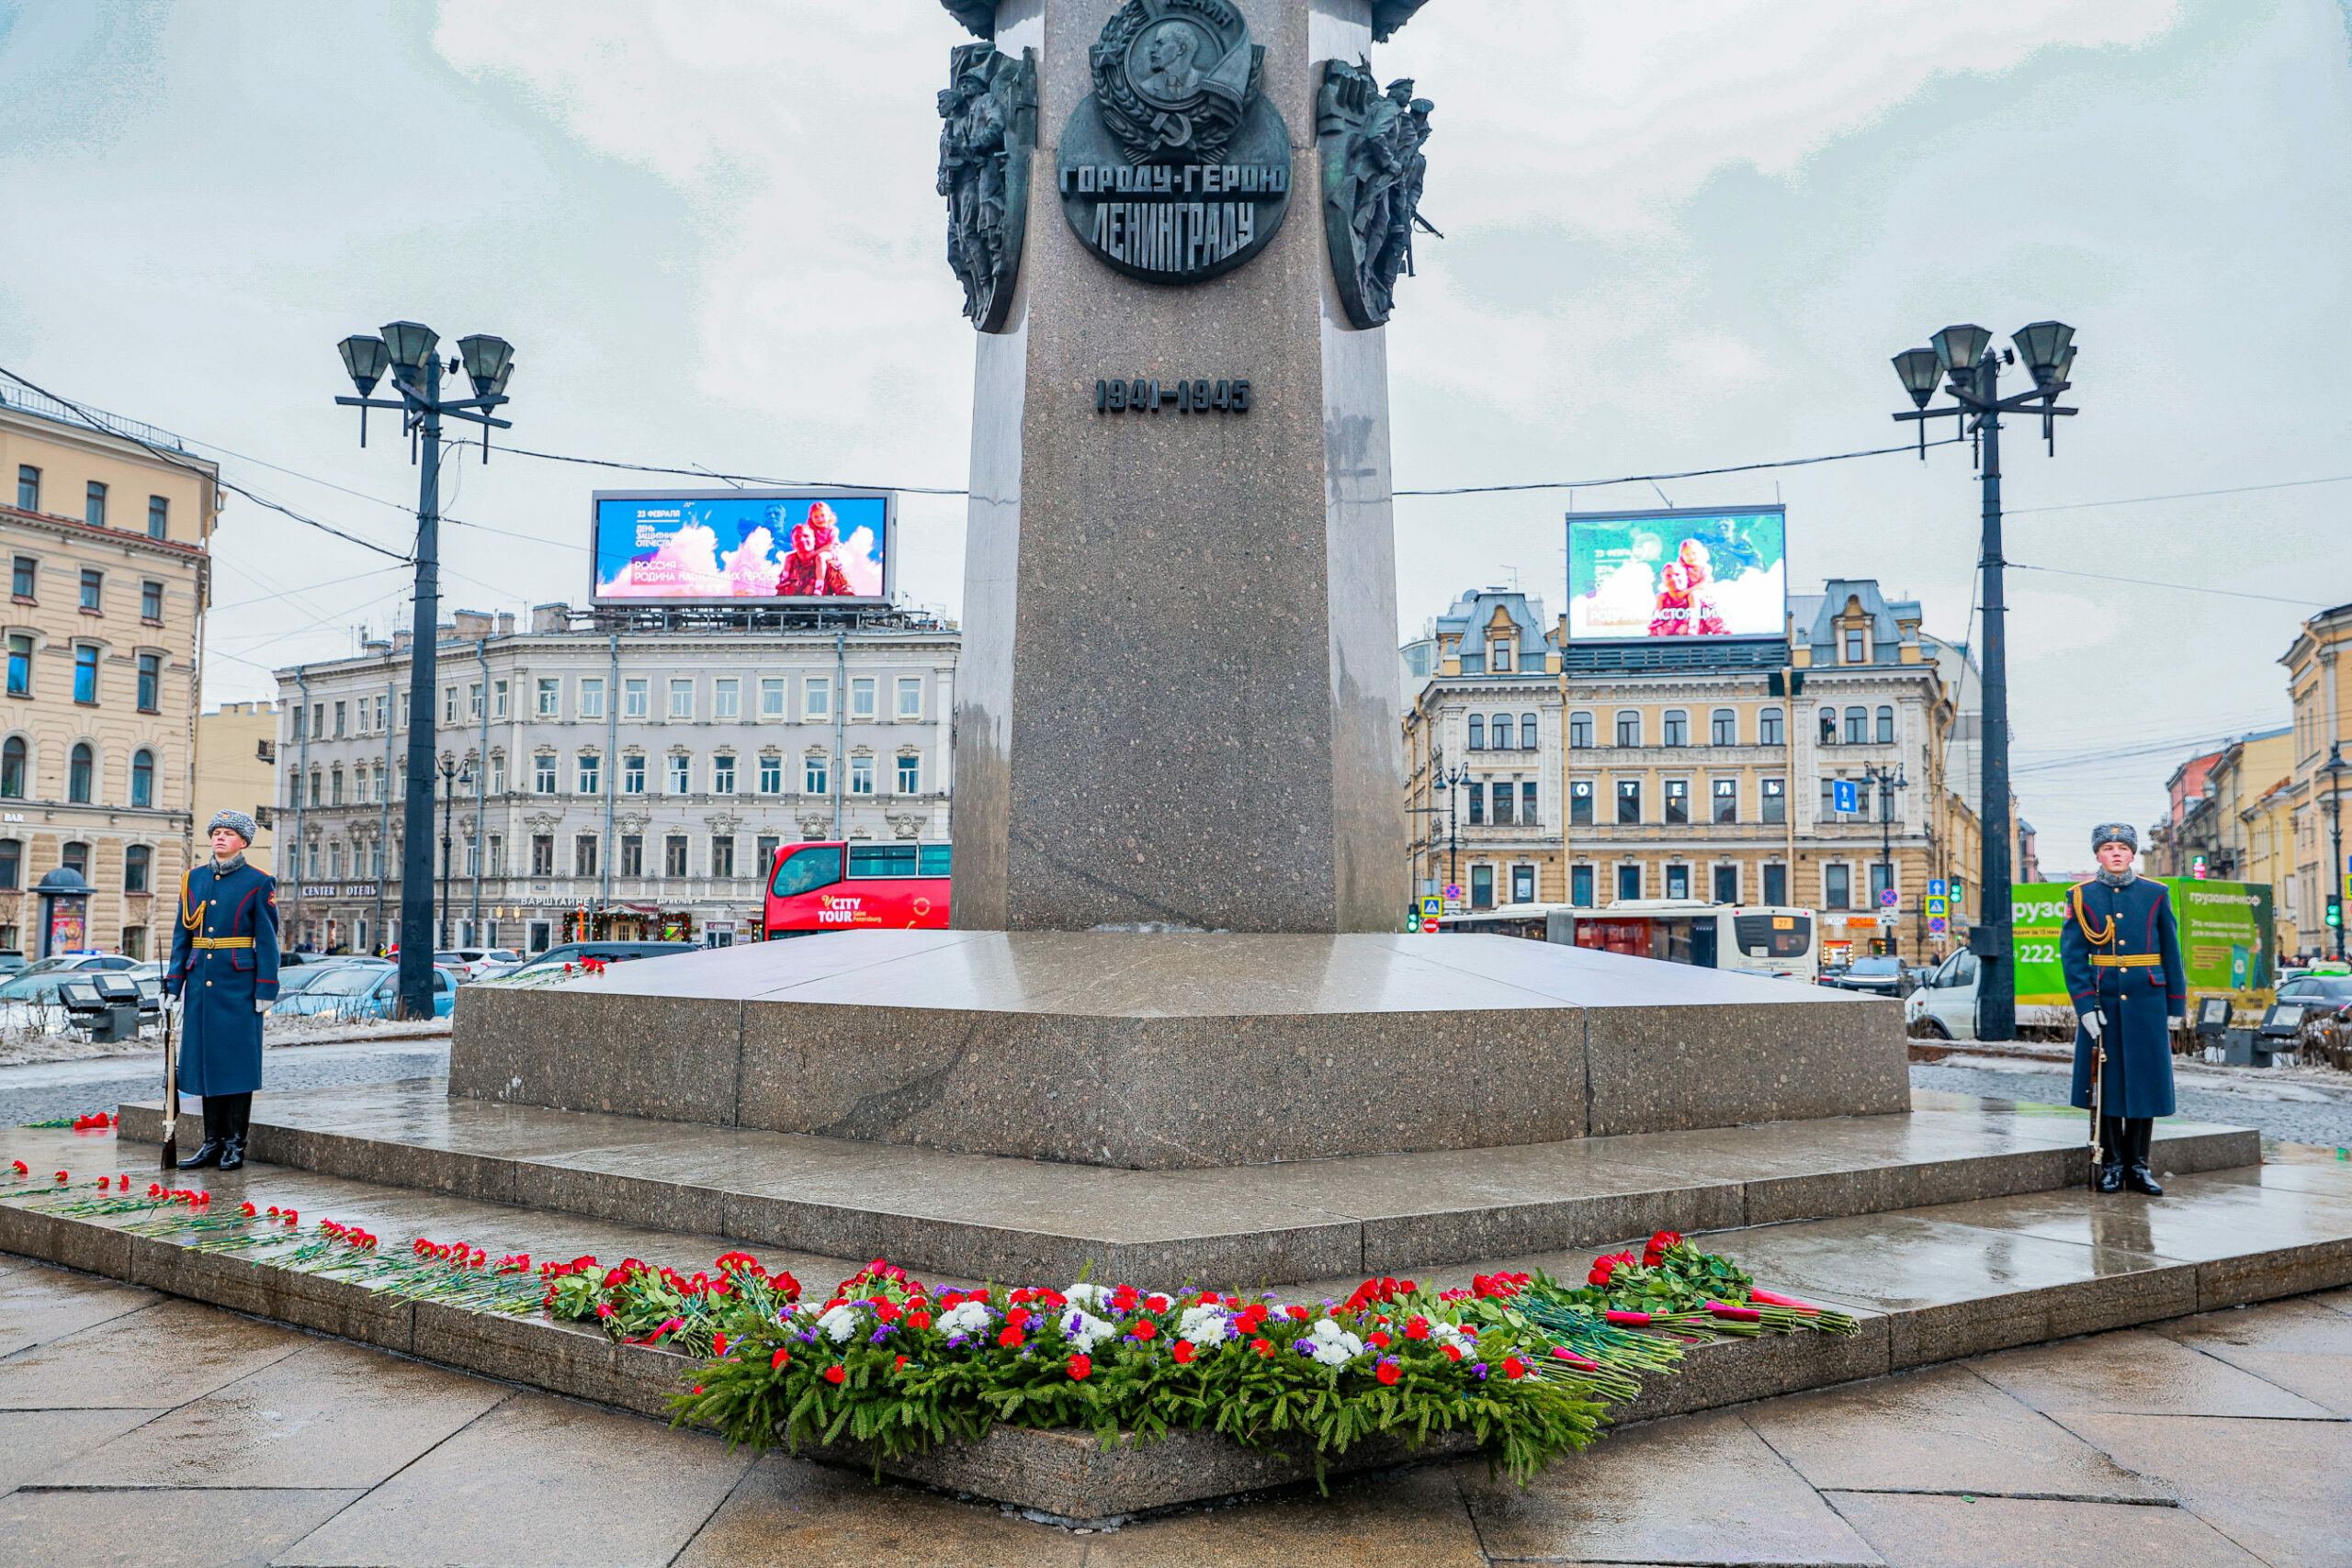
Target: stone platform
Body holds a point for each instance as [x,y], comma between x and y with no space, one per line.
[989,1217]
[1163,1051]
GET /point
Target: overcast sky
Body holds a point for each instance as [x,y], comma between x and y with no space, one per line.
[1679,237]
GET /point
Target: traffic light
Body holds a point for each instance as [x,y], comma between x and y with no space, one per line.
[2335,912]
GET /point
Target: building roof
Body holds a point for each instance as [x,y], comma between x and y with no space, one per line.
[1815,618]
[1474,608]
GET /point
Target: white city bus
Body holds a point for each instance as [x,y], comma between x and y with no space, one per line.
[1750,939]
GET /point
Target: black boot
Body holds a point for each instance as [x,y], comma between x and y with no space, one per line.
[210,1153]
[2137,1177]
[2112,1151]
[239,1111]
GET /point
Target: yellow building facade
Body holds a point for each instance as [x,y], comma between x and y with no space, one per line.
[108,578]
[2318,696]
[236,769]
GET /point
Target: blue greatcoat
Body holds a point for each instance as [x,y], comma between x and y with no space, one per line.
[2121,956]
[225,949]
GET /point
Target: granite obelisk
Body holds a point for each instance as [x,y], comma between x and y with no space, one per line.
[1178,706]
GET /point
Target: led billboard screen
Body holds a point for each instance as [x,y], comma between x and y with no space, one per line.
[738,546]
[1635,575]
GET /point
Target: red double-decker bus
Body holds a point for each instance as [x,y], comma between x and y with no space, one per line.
[843,887]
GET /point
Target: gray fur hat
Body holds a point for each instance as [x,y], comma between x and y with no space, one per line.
[2115,834]
[237,822]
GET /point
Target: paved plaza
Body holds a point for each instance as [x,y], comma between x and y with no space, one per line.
[139,1429]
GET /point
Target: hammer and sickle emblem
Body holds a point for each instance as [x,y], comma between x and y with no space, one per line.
[1180,135]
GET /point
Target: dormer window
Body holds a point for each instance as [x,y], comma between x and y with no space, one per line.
[1854,654]
[1498,655]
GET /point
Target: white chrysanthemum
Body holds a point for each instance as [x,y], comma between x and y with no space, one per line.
[1333,1346]
[1083,1329]
[1204,1325]
[965,1317]
[1086,1295]
[1453,1334]
[840,1323]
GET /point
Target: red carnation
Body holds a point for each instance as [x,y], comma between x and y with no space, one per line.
[917,1320]
[1125,1297]
[781,1359]
[1387,1372]
[1079,1365]
[719,1344]
[1452,1353]
[836,1374]
[1513,1367]
[1603,1268]
[898,1364]
[1296,1312]
[1376,1340]
[1144,1329]
[1263,1346]
[1183,1351]
[1416,1328]
[1010,1338]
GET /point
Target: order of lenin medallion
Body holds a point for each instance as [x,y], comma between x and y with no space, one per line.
[1176,167]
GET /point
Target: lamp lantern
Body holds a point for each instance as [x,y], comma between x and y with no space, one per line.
[1959,348]
[485,358]
[1920,371]
[410,343]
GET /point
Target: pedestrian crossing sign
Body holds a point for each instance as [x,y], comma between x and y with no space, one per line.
[1936,906]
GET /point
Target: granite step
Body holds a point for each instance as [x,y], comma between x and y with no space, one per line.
[1927,1284]
[987,1216]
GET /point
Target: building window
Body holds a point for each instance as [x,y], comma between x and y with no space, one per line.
[772,698]
[814,777]
[25,574]
[911,696]
[682,699]
[860,774]
[318,787]
[1629,802]
[1503,813]
[1477,732]
[497,775]
[334,785]
[94,504]
[722,773]
[1724,727]
[151,669]
[673,855]
[1478,804]
[1768,728]
[681,774]
[1580,887]
[633,697]
[633,773]
[334,860]
[1580,731]
[1678,801]
[1580,802]
[1726,800]
[1858,726]
[1499,651]
[910,775]
[771,775]
[861,696]
[1829,726]
[1726,884]
[12,768]
[1776,886]
[591,773]
[27,487]
[340,712]
[473,702]
[159,518]
[1629,884]
[448,710]
[313,848]
[722,854]
[632,854]
[1677,728]
[1526,804]
[763,851]
[20,666]
[547,701]
[1482,887]
[81,771]
[543,773]
[94,588]
[817,701]
[1527,737]
[1882,880]
[726,699]
[75,858]
[12,863]
[592,697]
[1629,729]
[1853,645]
[1775,799]
[583,855]
[543,854]
[1678,882]
[1886,727]
[473,858]
[1836,889]
[1522,884]
[1503,737]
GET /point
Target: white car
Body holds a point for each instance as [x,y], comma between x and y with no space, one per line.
[1944,1006]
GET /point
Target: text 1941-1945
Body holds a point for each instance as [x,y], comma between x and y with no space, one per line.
[1148,396]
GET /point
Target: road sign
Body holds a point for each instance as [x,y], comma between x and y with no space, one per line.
[1886,899]
[1843,795]
[1937,908]
[1454,893]
[1936,924]
[1935,888]
[1431,908]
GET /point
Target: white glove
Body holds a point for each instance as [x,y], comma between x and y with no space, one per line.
[2094,1023]
[260,1006]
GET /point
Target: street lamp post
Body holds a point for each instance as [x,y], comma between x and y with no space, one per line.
[1969,368]
[2334,768]
[1888,783]
[410,350]
[452,775]
[1450,782]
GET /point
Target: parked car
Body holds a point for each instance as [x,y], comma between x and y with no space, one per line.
[11,963]
[294,982]
[1879,976]
[479,963]
[357,991]
[87,959]
[574,952]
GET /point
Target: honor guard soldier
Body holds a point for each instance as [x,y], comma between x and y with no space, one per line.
[224,972]
[2120,952]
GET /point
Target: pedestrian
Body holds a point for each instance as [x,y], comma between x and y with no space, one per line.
[2120,952]
[225,974]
